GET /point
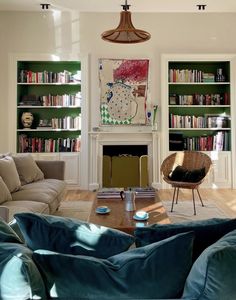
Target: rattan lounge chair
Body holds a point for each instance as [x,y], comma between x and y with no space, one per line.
[191,162]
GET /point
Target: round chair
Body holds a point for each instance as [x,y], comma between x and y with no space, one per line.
[190,162]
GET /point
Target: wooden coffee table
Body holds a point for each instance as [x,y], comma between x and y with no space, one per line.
[123,220]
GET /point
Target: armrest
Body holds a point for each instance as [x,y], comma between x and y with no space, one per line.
[52,168]
[4,213]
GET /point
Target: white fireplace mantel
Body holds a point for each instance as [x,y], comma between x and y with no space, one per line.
[123,137]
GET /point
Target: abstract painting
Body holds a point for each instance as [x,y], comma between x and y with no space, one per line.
[123,91]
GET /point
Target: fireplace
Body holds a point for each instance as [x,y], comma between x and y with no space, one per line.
[125,166]
[130,142]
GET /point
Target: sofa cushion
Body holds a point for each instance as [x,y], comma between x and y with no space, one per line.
[9,174]
[27,168]
[7,234]
[151,272]
[19,276]
[26,206]
[5,194]
[213,274]
[71,236]
[206,232]
[49,191]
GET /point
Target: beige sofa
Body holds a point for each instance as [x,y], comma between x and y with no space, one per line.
[30,186]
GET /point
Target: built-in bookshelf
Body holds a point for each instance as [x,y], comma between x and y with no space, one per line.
[51,92]
[197,108]
[199,105]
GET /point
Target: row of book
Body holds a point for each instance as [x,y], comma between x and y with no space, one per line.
[199,99]
[217,142]
[67,122]
[114,193]
[190,121]
[38,144]
[28,76]
[61,100]
[189,75]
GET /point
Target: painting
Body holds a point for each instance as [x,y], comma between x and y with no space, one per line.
[123,91]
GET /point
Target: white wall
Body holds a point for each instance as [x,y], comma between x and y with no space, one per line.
[171,33]
[22,32]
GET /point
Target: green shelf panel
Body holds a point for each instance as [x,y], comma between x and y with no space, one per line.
[53,66]
[190,89]
[47,113]
[51,134]
[206,66]
[199,111]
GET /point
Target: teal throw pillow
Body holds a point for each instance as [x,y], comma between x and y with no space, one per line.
[71,236]
[213,273]
[151,272]
[206,232]
[19,276]
[7,234]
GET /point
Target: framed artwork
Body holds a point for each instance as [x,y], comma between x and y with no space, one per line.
[123,91]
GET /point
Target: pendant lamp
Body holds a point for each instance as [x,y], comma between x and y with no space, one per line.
[125,33]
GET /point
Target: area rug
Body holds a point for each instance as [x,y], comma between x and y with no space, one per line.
[183,211]
[75,209]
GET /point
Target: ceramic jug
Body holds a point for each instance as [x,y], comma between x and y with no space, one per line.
[129,198]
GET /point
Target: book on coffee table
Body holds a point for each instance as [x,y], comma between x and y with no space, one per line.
[114,193]
[109,193]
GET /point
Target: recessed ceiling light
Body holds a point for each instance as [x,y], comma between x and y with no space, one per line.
[45,5]
[201,6]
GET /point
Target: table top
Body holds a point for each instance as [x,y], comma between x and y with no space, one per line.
[119,218]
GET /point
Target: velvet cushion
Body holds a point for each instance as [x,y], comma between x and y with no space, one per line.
[19,276]
[151,272]
[182,174]
[27,168]
[5,194]
[213,274]
[9,174]
[7,234]
[206,232]
[71,236]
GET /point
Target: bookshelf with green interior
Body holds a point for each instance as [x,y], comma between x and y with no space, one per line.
[50,92]
[199,105]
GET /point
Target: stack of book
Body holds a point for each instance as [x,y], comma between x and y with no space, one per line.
[147,192]
[114,193]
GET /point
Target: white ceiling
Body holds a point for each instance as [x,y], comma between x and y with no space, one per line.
[115,5]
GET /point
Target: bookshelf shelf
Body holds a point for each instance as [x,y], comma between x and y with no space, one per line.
[199,83]
[198,129]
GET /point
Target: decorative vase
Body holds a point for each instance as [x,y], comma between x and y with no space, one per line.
[27,119]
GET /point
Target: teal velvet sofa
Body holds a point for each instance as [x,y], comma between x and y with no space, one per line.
[61,258]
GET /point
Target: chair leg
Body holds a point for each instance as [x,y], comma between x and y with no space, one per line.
[194,207]
[177,196]
[173,200]
[200,197]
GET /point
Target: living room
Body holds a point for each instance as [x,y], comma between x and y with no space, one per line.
[21,29]
[64,32]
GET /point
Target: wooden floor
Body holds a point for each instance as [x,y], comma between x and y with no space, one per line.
[224,198]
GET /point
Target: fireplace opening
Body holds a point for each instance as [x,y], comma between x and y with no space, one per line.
[116,150]
[125,166]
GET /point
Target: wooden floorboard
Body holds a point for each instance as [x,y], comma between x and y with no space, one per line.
[224,198]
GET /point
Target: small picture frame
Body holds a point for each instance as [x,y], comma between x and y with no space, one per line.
[172,99]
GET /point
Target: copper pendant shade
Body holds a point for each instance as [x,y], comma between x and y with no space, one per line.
[125,33]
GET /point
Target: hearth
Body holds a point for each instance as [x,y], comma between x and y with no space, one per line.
[125,166]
